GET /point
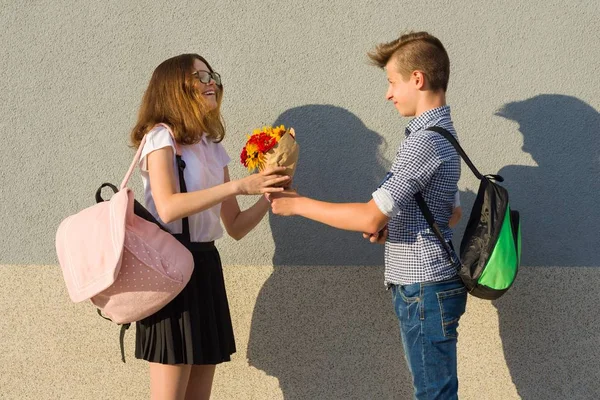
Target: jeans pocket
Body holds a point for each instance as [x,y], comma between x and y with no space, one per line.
[452,306]
[410,293]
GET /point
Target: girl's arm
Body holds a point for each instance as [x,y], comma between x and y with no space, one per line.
[172,205]
[238,223]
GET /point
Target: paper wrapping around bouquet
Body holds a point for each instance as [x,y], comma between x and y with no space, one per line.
[284,153]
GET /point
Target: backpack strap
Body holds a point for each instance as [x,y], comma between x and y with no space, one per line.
[138,154]
[449,137]
[124,328]
[421,201]
[432,224]
[177,145]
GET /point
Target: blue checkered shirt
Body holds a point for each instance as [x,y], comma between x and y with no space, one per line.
[428,163]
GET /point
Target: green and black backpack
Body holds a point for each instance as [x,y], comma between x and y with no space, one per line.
[490,250]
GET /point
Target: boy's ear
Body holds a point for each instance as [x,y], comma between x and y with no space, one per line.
[418,78]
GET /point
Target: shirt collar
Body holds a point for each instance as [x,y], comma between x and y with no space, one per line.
[428,116]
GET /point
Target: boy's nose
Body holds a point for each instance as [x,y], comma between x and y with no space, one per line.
[388,94]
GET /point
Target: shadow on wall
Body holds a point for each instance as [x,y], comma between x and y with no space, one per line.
[323,323]
[549,319]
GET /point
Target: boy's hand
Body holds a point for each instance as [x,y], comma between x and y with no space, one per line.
[379,237]
[455,217]
[283,203]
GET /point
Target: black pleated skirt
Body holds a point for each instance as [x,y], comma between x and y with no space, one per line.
[195,327]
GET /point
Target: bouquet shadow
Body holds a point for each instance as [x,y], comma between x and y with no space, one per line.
[323,323]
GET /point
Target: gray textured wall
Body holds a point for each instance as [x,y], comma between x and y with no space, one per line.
[524,97]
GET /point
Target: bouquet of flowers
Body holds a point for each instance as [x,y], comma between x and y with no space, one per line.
[271,147]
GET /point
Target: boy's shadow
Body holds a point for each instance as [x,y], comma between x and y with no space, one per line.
[323,323]
[548,320]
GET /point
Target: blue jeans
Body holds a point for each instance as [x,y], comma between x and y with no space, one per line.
[428,313]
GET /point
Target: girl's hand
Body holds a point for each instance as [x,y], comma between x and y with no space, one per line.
[263,182]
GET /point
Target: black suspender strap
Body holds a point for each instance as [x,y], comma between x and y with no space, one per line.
[183,189]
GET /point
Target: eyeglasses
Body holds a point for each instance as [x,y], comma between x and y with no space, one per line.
[205,77]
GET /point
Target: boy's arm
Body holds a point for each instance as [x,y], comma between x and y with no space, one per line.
[418,164]
[359,217]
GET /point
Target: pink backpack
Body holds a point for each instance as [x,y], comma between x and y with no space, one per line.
[126,265]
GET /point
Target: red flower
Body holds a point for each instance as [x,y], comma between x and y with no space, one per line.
[244,157]
[259,143]
[263,141]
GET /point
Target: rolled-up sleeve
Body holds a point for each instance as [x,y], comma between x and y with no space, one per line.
[385,202]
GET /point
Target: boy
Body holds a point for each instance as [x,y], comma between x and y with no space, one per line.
[429,298]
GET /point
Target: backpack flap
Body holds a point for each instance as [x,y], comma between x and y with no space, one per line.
[89,246]
[483,228]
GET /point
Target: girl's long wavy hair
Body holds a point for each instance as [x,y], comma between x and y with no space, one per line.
[172,99]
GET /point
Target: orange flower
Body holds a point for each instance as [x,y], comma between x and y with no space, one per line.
[258,144]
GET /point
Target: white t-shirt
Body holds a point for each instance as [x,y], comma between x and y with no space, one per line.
[204,169]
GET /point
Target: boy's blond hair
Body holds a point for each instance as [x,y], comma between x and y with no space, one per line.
[416,51]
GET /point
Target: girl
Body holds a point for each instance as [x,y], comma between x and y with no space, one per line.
[180,110]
